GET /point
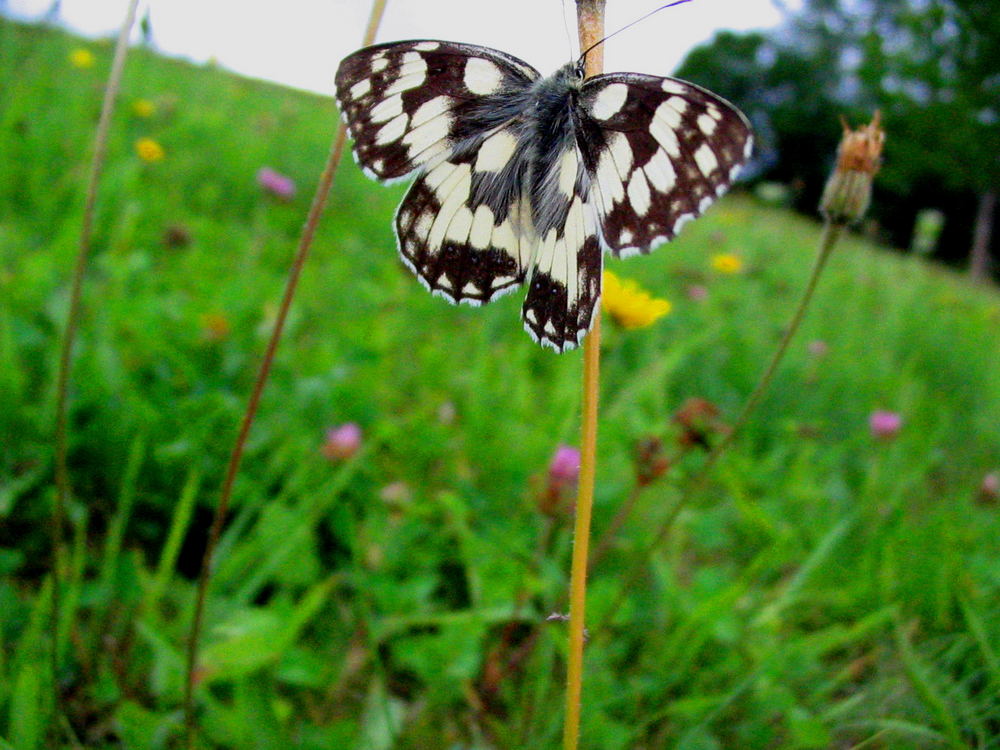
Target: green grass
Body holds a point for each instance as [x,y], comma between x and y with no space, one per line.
[829,590]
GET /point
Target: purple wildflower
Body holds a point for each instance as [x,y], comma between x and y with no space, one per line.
[279,185]
[342,441]
[885,425]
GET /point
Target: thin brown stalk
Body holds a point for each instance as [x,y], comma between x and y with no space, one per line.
[63,485]
[590,22]
[828,240]
[235,458]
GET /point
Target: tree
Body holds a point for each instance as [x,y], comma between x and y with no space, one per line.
[930,67]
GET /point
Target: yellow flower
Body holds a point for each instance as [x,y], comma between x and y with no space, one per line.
[629,304]
[727,263]
[149,150]
[143,108]
[215,326]
[81,58]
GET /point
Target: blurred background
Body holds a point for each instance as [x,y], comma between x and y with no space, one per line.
[400,531]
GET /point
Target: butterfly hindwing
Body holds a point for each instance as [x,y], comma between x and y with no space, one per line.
[460,247]
[660,150]
[409,104]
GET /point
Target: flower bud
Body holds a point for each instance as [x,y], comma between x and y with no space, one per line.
[849,189]
[885,425]
[342,442]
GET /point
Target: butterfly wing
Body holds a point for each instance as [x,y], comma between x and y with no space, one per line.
[410,104]
[566,275]
[445,110]
[660,151]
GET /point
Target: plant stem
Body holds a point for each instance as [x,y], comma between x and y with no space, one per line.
[590,21]
[63,488]
[235,458]
[828,240]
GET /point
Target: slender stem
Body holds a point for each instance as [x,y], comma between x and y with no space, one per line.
[590,21]
[63,487]
[235,458]
[828,240]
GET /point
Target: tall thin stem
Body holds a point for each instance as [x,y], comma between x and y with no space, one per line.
[590,21]
[236,457]
[828,240]
[63,485]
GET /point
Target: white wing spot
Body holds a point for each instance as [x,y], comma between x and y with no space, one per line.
[707,124]
[681,221]
[495,152]
[673,87]
[426,46]
[361,88]
[505,239]
[609,101]
[638,192]
[386,109]
[621,150]
[444,282]
[482,228]
[665,137]
[379,63]
[704,157]
[567,172]
[705,203]
[660,171]
[392,130]
[610,184]
[679,103]
[470,288]
[421,138]
[482,77]
[669,114]
[422,226]
[429,110]
[459,226]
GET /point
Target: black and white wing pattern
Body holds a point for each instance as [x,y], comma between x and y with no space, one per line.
[661,150]
[444,110]
[521,178]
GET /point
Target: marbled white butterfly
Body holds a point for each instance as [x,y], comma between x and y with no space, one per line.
[524,178]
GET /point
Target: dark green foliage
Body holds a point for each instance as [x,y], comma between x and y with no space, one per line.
[931,68]
[829,589]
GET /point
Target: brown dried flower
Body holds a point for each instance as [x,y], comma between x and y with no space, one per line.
[849,189]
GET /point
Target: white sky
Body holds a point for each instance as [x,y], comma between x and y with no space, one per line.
[300,42]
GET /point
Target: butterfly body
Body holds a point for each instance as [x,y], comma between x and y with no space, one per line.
[523,178]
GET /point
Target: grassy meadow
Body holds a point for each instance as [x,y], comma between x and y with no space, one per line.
[828,589]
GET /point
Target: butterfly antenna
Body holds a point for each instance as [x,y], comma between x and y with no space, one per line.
[583,55]
[569,37]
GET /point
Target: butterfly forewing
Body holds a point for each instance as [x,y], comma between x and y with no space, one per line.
[408,104]
[660,150]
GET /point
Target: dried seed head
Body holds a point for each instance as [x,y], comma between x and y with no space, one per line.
[849,189]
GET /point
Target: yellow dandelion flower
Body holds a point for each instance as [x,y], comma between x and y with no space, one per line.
[149,150]
[630,305]
[143,108]
[81,58]
[727,263]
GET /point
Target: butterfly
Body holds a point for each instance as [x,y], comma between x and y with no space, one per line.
[523,179]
